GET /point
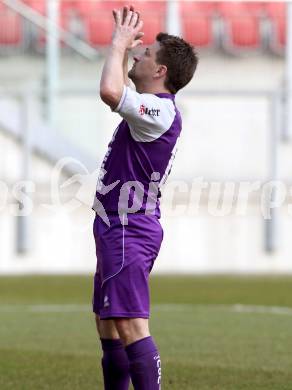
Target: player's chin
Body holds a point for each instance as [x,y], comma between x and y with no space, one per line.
[131,74]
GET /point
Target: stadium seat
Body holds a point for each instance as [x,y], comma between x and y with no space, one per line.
[97,18]
[241,26]
[236,8]
[197,22]
[12,31]
[276,15]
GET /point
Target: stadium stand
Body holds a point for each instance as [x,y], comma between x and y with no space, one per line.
[97,17]
[242,26]
[154,16]
[97,21]
[69,20]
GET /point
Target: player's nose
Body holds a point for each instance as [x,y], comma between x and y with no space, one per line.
[136,58]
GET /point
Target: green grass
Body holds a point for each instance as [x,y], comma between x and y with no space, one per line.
[204,343]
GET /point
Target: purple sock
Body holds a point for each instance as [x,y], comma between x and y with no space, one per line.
[145,364]
[115,365]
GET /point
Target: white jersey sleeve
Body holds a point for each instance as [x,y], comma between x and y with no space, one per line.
[147,115]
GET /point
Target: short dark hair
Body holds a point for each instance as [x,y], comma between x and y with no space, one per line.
[179,57]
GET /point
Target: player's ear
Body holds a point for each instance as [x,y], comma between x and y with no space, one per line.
[160,71]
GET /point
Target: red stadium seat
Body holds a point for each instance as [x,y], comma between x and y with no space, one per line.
[245,32]
[12,34]
[255,8]
[237,8]
[92,7]
[241,25]
[98,21]
[197,22]
[276,13]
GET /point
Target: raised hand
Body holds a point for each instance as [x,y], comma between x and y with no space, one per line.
[127,32]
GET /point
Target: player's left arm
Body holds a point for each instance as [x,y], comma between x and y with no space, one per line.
[126,36]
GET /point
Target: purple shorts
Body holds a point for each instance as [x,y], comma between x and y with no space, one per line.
[125,257]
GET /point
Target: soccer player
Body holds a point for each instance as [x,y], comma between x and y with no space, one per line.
[126,228]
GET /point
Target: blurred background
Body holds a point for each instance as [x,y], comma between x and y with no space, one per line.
[221,212]
[237,127]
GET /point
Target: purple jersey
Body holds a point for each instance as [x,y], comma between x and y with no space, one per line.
[140,154]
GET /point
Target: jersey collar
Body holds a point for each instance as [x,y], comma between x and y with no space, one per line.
[166,95]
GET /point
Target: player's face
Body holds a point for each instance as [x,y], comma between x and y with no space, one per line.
[145,64]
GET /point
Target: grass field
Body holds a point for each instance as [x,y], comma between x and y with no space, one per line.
[214,333]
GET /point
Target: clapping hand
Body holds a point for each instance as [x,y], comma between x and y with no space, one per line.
[127,33]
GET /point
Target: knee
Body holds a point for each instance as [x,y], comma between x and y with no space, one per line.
[106,328]
[132,329]
[97,323]
[124,329]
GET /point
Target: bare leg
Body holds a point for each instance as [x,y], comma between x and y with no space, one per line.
[106,328]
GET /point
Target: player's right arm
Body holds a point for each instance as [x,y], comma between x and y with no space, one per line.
[125,37]
[125,69]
